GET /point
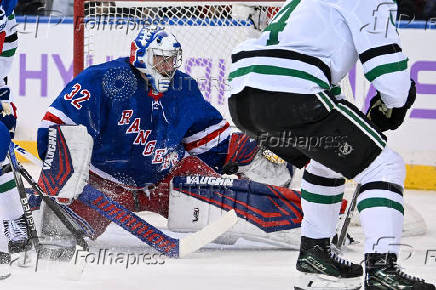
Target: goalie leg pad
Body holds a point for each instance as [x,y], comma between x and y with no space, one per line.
[265,213]
[66,165]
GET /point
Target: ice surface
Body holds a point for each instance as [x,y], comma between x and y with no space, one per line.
[241,266]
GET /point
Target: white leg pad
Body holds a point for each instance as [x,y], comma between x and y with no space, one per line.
[188,214]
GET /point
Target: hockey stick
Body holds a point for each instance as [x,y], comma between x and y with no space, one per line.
[149,234]
[57,210]
[143,230]
[347,220]
[33,234]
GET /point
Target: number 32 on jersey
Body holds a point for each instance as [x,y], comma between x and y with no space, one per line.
[84,95]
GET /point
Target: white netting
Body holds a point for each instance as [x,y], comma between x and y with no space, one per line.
[207,32]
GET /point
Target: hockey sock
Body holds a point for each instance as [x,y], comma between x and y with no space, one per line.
[381,199]
[10,206]
[321,196]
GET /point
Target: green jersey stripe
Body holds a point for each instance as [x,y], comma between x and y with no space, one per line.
[326,104]
[363,124]
[324,199]
[7,186]
[279,71]
[336,90]
[385,69]
[357,120]
[379,202]
[8,53]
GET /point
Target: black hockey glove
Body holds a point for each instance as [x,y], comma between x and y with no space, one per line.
[389,119]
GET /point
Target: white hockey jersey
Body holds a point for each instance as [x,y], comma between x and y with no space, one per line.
[310,45]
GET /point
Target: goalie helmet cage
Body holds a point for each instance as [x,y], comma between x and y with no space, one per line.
[207,31]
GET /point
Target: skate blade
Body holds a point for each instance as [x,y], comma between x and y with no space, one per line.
[308,281]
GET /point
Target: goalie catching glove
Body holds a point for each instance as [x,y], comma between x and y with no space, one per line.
[249,160]
[66,165]
[389,118]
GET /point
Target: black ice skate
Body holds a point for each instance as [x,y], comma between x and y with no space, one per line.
[383,273]
[321,268]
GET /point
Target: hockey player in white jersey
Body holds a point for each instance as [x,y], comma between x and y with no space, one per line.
[13,230]
[283,88]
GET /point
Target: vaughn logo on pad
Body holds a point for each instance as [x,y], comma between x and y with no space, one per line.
[52,137]
[209,180]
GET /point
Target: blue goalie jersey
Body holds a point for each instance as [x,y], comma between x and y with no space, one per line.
[138,135]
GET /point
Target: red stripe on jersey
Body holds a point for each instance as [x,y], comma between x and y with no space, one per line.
[52,118]
[206,139]
[2,40]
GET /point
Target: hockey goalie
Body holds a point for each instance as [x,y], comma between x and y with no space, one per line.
[139,132]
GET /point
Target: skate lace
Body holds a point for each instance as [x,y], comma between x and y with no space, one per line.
[400,272]
[338,259]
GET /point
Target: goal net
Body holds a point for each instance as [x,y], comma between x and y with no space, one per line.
[207,31]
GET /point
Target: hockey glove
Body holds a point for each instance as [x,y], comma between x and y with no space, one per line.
[8,115]
[241,151]
[66,165]
[246,158]
[389,118]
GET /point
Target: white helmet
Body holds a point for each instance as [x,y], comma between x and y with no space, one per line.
[158,55]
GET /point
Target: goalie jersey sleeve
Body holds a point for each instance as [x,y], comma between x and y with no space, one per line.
[376,39]
[78,103]
[208,137]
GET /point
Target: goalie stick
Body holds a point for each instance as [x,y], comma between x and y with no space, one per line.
[58,211]
[140,228]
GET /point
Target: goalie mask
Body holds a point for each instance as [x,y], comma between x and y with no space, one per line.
[158,55]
